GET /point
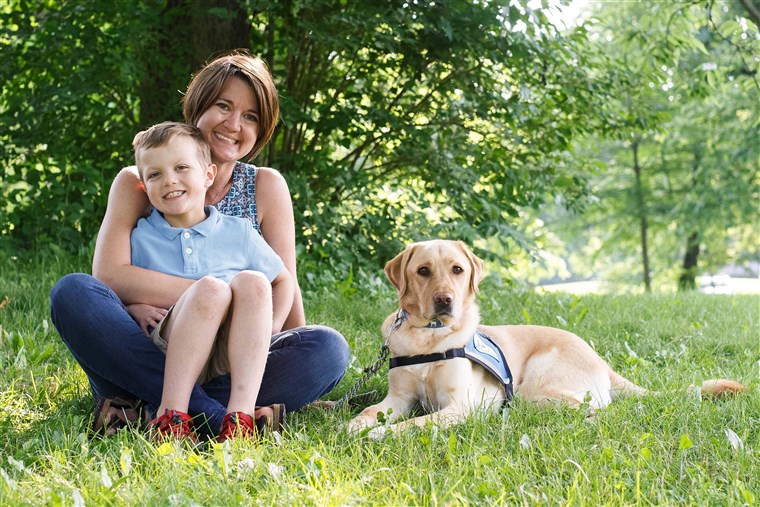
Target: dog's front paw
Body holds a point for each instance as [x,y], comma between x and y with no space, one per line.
[358,424]
[379,432]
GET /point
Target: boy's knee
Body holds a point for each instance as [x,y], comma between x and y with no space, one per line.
[251,283]
[213,290]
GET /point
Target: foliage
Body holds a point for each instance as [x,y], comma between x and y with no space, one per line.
[63,119]
[420,121]
[399,120]
[690,108]
[666,450]
[403,121]
[78,81]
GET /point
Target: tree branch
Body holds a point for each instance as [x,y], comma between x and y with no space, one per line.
[752,10]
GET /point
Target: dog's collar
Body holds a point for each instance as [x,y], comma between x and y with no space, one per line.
[479,348]
[402,315]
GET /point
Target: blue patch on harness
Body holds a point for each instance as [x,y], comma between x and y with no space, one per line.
[481,349]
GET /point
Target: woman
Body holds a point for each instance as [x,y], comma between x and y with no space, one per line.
[233,101]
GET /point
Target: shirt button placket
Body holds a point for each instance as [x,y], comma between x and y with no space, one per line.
[190,260]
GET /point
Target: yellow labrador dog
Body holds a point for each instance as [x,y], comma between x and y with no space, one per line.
[445,361]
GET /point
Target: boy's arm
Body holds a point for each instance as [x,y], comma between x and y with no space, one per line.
[112,263]
[282,299]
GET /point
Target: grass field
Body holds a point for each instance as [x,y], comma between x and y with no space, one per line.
[671,449]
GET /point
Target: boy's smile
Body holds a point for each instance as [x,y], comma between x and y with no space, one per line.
[176,180]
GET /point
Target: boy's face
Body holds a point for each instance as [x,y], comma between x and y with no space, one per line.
[176,180]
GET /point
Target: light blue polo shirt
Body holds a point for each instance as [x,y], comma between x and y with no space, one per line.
[220,246]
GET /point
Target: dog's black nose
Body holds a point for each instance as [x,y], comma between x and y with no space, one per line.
[442,300]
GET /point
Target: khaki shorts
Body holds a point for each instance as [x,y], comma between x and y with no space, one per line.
[218,363]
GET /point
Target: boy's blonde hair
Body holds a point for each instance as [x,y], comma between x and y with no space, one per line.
[160,134]
[208,82]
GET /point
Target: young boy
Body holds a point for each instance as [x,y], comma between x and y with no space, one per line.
[223,322]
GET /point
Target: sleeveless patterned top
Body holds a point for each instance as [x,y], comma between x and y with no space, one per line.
[240,200]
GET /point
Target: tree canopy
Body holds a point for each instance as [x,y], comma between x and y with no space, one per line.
[401,120]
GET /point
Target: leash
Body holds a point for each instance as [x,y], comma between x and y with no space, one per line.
[353,399]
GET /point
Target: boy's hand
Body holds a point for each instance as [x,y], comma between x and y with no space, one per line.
[146,315]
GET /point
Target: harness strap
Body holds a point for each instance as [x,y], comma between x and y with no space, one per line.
[425,358]
[480,349]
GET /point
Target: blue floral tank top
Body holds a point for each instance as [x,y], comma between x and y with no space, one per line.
[240,200]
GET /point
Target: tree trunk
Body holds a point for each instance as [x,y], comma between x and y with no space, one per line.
[188,33]
[643,223]
[688,278]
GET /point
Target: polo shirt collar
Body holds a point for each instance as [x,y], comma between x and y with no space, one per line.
[157,220]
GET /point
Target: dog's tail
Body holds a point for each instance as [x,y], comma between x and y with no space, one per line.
[713,388]
[720,388]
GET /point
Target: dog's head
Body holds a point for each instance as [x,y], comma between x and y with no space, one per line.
[436,280]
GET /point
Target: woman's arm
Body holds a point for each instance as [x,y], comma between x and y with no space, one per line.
[275,211]
[112,262]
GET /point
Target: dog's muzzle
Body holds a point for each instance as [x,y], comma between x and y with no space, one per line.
[443,302]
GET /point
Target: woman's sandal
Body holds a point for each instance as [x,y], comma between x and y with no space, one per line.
[113,414]
[270,418]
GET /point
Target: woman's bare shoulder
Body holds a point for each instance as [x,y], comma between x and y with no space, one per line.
[127,192]
[271,189]
[266,176]
[127,176]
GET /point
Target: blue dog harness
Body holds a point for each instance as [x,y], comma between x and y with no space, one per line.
[479,348]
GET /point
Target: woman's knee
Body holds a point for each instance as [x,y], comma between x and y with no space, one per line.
[77,291]
[69,285]
[330,346]
[335,345]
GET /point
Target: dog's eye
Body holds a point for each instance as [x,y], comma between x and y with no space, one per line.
[457,270]
[423,271]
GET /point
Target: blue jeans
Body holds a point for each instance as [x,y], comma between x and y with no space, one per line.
[303,364]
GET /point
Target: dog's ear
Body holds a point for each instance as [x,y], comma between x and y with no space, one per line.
[395,269]
[476,265]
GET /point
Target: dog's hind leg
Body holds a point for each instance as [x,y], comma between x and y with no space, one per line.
[622,387]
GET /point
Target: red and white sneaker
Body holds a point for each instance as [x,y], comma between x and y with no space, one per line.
[172,424]
[237,425]
[264,420]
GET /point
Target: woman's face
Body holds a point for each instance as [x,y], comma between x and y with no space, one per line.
[231,124]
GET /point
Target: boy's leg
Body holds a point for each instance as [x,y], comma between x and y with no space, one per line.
[190,331]
[303,364]
[250,327]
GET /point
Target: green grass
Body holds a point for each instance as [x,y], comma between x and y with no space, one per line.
[660,450]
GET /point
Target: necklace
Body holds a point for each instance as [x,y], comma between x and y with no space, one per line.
[221,189]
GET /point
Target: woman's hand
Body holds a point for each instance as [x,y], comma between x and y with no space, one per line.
[146,315]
